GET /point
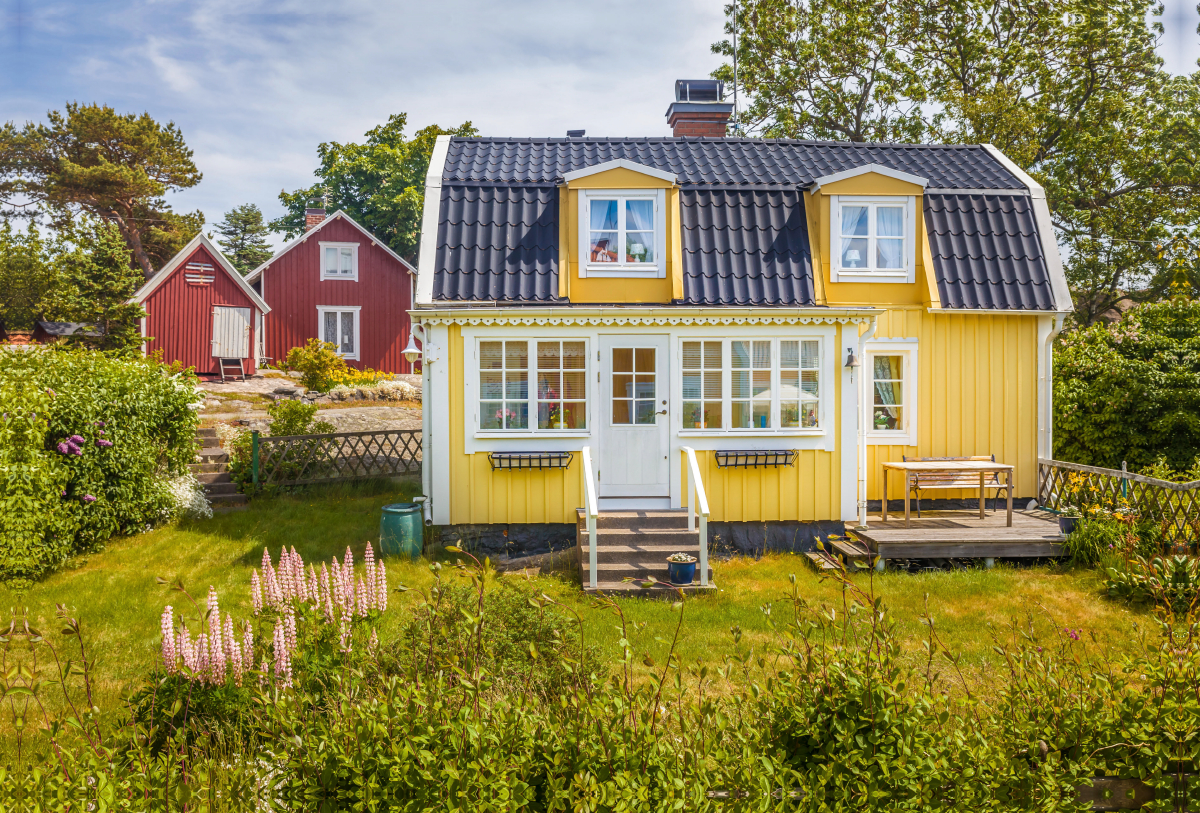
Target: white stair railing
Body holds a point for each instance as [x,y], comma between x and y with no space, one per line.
[697,504]
[589,490]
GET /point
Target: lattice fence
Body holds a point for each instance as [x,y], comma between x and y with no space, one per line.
[304,459]
[1174,506]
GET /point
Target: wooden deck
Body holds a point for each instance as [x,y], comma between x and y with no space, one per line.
[962,534]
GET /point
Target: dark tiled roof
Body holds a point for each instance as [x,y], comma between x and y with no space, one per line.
[986,252]
[745,247]
[497,243]
[720,161]
[745,235]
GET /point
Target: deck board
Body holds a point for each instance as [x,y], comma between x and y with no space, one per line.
[961,534]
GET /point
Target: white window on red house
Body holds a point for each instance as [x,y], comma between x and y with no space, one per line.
[339,327]
[339,261]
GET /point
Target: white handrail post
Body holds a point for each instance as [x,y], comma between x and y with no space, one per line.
[697,505]
[589,490]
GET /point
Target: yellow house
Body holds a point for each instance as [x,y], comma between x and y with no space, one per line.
[794,313]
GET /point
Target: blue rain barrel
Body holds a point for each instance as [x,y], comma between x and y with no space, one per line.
[402,530]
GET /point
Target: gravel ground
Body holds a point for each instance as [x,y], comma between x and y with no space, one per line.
[345,419]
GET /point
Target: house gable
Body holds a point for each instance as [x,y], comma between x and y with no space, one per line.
[200,245]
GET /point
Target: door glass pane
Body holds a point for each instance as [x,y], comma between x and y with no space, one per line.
[622,360]
[645,359]
[348,332]
[634,386]
[331,327]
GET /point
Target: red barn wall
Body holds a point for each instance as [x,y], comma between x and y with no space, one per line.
[293,287]
[179,315]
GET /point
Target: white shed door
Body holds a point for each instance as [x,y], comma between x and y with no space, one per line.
[231,333]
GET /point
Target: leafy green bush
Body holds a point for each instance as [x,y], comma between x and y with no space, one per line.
[1130,391]
[318,363]
[1169,582]
[287,418]
[90,444]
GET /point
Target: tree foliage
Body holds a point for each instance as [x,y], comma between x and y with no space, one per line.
[113,166]
[1072,91]
[243,237]
[27,276]
[1130,391]
[380,183]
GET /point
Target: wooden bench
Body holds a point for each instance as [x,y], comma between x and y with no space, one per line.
[948,479]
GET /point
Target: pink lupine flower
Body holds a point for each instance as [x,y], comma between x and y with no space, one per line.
[283,661]
[167,626]
[373,642]
[289,631]
[256,593]
[247,645]
[362,598]
[216,659]
[233,653]
[381,588]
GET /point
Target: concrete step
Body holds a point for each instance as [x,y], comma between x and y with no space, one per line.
[227,499]
[214,490]
[205,468]
[647,536]
[206,432]
[635,519]
[657,591]
[214,476]
[637,554]
[212,456]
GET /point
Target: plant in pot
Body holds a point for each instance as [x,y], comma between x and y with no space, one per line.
[1068,517]
[681,568]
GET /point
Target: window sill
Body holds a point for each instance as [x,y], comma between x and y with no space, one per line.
[338,278]
[751,433]
[877,438]
[523,434]
[872,276]
[650,272]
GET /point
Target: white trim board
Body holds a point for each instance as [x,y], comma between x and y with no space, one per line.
[196,242]
[620,163]
[429,221]
[300,238]
[878,169]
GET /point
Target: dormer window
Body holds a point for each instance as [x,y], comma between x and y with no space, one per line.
[622,233]
[872,239]
[339,261]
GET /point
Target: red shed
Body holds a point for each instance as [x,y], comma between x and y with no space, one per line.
[200,310]
[340,283]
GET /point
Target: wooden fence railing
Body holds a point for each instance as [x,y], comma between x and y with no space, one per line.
[305,459]
[1174,506]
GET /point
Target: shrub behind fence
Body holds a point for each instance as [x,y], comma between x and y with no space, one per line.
[307,459]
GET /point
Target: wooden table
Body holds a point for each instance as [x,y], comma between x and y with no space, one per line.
[964,468]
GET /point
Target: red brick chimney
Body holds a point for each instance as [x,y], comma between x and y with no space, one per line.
[313,218]
[699,109]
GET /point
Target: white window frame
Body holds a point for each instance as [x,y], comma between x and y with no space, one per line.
[472,392]
[825,378]
[869,273]
[892,347]
[353,276]
[657,269]
[323,309]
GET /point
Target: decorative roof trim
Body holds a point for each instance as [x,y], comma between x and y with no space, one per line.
[427,256]
[878,169]
[650,318]
[185,253]
[620,163]
[254,275]
[1041,215]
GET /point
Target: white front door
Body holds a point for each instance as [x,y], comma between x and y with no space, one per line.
[634,418]
[231,333]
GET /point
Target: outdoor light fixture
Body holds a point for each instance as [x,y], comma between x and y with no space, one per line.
[412,352]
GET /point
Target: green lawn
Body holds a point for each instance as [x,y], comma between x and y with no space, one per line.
[115,595]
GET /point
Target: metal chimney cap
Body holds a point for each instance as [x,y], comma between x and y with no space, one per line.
[576,133]
[699,90]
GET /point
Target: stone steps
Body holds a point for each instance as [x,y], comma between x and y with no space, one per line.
[211,469]
[634,545]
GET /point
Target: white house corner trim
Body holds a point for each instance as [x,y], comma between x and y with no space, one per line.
[437,450]
[429,221]
[849,424]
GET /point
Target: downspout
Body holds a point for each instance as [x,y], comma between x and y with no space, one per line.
[862,428]
[419,331]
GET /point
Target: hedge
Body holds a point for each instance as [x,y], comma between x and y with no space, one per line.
[88,443]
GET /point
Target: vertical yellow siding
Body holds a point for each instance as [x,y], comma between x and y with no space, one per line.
[977,393]
[806,491]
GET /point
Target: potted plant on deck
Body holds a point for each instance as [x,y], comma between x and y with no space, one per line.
[681,568]
[1067,518]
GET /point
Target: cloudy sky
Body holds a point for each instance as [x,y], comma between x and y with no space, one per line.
[255,85]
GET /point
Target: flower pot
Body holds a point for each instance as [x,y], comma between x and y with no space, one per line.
[1067,524]
[681,572]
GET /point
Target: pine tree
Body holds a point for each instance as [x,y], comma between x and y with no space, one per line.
[27,276]
[97,280]
[243,237]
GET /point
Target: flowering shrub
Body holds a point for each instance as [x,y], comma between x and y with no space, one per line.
[88,446]
[189,499]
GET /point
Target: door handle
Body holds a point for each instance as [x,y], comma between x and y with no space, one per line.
[662,412]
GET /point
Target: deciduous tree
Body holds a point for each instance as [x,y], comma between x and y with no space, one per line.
[27,276]
[380,183]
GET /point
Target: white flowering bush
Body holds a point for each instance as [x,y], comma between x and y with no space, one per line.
[188,498]
[385,390]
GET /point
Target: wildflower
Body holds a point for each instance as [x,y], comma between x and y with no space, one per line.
[102,442]
[255,592]
[88,498]
[100,423]
[63,448]
[168,644]
[283,662]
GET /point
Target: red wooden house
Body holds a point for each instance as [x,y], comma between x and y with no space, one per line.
[339,283]
[200,311]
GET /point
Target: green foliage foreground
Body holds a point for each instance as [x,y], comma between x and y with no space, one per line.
[831,716]
[87,444]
